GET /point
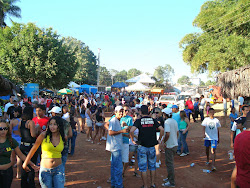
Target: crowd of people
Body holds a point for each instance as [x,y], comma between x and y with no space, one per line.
[38,134]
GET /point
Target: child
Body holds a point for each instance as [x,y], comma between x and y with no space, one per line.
[211,135]
[233,116]
[184,126]
[188,112]
[207,107]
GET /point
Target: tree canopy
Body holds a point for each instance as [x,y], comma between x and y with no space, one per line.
[7,8]
[163,75]
[87,69]
[184,80]
[224,41]
[29,54]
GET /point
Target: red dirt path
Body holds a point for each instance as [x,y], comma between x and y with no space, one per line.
[90,166]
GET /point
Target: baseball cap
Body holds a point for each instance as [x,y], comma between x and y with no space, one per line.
[167,111]
[118,108]
[56,110]
[174,106]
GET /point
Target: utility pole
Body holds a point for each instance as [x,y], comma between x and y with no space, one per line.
[99,69]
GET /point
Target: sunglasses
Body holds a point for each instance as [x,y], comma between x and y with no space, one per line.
[156,112]
[3,128]
[125,110]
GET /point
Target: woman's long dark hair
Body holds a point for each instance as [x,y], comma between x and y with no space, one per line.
[59,122]
[27,113]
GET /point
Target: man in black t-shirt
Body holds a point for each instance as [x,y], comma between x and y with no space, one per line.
[10,111]
[146,140]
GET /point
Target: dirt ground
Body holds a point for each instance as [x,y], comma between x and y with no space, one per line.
[90,166]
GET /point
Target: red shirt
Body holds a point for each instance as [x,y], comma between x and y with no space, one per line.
[106,97]
[242,158]
[42,122]
[48,102]
[190,104]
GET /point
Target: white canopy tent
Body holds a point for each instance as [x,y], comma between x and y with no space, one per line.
[142,78]
[73,85]
[137,87]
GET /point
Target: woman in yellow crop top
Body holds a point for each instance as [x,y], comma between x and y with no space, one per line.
[52,142]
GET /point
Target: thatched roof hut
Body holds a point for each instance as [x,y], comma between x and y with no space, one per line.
[235,83]
[6,86]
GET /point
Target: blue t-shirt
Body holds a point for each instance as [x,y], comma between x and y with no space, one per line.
[129,121]
[177,117]
[234,116]
[196,107]
[188,111]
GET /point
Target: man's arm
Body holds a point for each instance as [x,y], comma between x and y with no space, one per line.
[161,133]
[166,137]
[112,133]
[132,130]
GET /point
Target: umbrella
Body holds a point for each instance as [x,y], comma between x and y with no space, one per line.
[65,91]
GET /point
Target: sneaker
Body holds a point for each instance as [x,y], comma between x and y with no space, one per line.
[183,154]
[104,138]
[178,153]
[168,184]
[157,165]
[153,186]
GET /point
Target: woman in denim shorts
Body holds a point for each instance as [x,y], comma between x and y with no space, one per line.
[51,172]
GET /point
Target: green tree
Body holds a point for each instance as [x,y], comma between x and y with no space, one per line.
[121,76]
[184,80]
[202,83]
[87,70]
[224,41]
[163,74]
[105,76]
[29,54]
[7,8]
[210,82]
[133,72]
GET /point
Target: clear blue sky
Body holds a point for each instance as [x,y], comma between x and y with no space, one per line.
[140,34]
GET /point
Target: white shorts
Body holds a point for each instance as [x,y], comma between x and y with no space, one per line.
[125,153]
[89,122]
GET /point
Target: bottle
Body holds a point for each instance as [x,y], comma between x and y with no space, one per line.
[207,171]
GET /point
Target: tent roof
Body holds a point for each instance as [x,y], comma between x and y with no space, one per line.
[137,87]
[143,78]
[119,85]
[87,86]
[73,85]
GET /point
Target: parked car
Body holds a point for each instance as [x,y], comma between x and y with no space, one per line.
[167,99]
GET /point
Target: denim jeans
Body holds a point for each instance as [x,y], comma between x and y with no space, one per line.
[6,177]
[72,140]
[182,142]
[202,114]
[169,160]
[28,178]
[64,157]
[116,169]
[52,177]
[146,157]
